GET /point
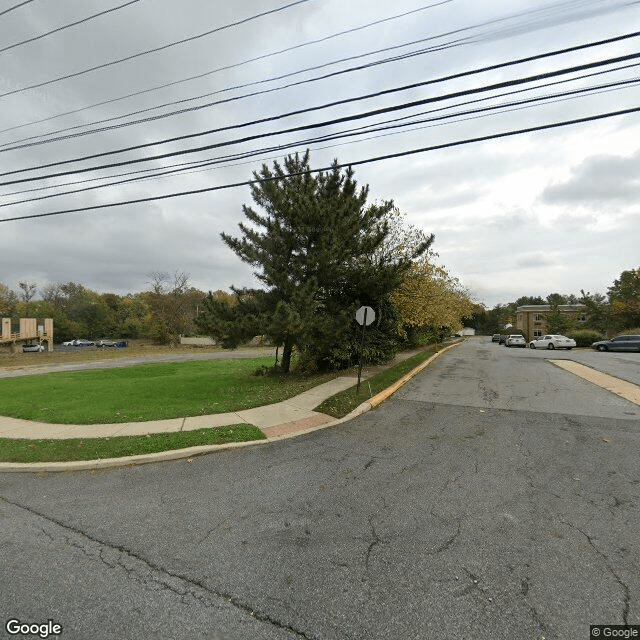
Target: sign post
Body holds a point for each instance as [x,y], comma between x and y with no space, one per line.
[364,316]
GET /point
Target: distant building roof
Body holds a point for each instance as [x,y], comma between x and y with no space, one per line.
[547,307]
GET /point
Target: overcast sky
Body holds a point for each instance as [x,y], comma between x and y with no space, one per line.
[541,212]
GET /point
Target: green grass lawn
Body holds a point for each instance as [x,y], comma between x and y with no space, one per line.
[21,450]
[148,392]
[342,403]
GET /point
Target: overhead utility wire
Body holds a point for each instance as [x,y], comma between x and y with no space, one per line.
[453,118]
[190,164]
[353,99]
[33,140]
[325,123]
[274,53]
[197,164]
[15,6]
[67,26]
[390,156]
[154,50]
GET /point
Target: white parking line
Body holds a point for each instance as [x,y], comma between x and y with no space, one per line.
[622,388]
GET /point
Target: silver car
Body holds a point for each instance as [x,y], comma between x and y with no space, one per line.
[554,341]
[33,347]
[515,340]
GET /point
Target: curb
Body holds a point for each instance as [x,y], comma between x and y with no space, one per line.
[191,452]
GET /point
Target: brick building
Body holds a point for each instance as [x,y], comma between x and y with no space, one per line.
[532,319]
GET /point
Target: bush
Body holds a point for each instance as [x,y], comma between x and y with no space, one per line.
[585,337]
[631,332]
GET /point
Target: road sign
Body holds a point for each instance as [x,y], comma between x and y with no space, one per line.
[365,314]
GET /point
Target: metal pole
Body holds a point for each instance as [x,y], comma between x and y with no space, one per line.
[364,324]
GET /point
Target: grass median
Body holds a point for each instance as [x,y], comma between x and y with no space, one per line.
[346,401]
[53,450]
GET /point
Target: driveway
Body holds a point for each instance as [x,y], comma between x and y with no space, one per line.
[496,496]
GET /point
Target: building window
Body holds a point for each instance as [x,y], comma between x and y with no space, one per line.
[537,334]
[537,317]
[583,317]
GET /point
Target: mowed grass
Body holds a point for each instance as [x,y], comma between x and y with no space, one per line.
[148,392]
[346,401]
[22,450]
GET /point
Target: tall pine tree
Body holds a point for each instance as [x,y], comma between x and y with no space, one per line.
[315,245]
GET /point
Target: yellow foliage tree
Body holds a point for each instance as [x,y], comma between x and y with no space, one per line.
[430,298]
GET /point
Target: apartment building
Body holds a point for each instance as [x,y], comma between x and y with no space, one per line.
[532,319]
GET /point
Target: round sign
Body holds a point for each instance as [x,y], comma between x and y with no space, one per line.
[365,315]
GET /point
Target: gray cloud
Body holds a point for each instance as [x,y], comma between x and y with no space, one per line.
[598,180]
[481,201]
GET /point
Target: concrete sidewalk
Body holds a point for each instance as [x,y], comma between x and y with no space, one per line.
[294,414]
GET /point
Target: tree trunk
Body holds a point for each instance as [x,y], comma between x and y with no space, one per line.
[286,354]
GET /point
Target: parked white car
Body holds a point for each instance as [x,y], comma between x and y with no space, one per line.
[33,347]
[515,340]
[552,342]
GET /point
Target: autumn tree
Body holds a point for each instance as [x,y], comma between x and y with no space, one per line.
[624,298]
[170,305]
[430,299]
[28,291]
[8,300]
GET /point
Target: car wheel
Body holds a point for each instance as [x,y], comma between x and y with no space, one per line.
[569,348]
[532,346]
[601,347]
[551,346]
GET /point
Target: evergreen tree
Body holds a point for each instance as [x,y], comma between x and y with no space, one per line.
[314,246]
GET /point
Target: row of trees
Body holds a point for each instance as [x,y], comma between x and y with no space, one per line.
[162,313]
[321,251]
[610,314]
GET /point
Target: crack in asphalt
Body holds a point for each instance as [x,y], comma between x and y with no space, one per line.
[376,540]
[607,563]
[150,574]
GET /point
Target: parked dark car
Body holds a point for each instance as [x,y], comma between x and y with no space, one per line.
[502,339]
[495,337]
[619,343]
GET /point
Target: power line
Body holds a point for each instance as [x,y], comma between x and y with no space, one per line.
[530,12]
[67,26]
[154,50]
[390,156]
[197,166]
[15,6]
[185,167]
[406,105]
[239,64]
[33,141]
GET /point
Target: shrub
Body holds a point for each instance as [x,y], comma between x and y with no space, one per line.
[585,337]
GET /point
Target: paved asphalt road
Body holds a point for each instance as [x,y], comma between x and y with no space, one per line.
[495,496]
[37,368]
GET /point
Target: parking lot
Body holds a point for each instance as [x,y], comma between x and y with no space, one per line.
[621,364]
